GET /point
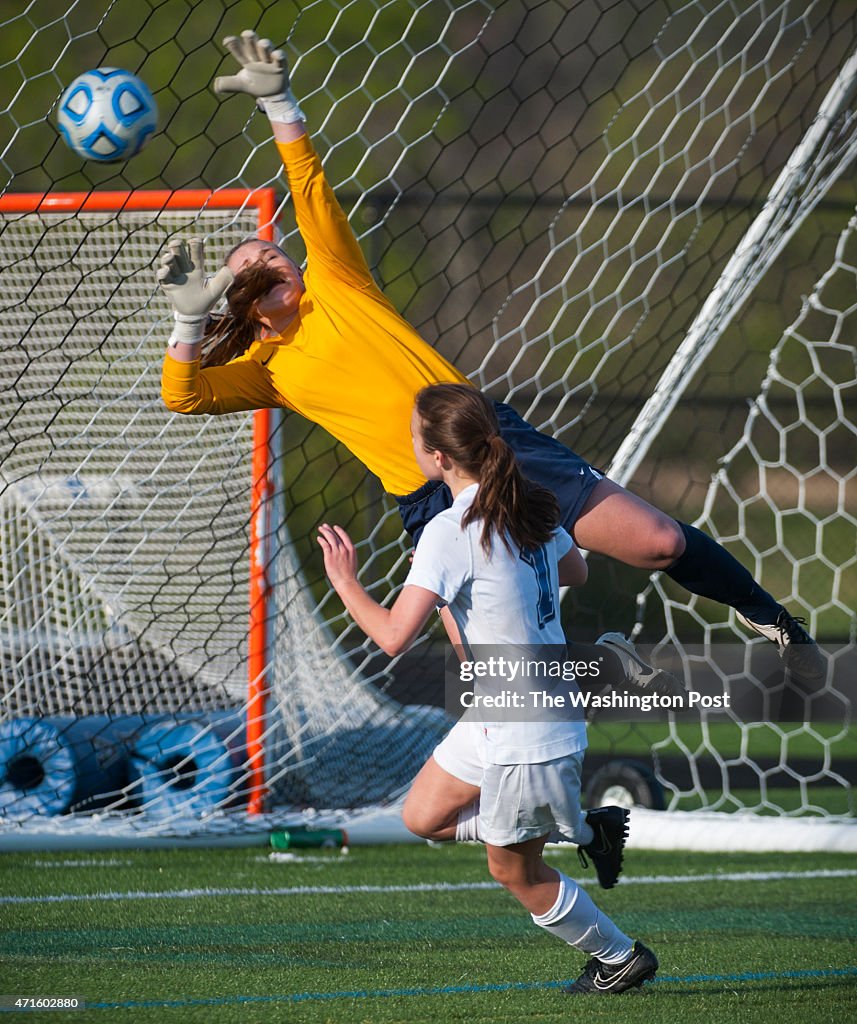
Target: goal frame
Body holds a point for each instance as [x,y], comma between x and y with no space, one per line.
[262,490]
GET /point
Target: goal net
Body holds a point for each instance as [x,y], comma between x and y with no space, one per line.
[630,220]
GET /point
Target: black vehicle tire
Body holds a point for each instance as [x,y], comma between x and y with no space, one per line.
[625,784]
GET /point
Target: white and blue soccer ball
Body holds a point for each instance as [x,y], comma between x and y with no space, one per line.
[107,115]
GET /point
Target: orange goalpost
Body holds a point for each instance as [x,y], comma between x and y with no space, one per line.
[263,201]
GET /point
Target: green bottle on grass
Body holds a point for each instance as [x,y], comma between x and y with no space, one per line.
[306,838]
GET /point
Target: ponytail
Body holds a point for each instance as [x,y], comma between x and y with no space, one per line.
[226,337]
[460,421]
[229,335]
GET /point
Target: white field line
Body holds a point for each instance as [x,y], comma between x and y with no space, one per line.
[285,857]
[344,890]
[91,863]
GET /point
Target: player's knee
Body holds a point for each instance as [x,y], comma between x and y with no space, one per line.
[501,874]
[664,542]
[412,821]
[417,822]
[510,876]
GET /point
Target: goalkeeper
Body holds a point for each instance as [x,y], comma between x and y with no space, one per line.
[328,344]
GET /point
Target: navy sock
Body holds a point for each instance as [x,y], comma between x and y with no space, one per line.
[706,568]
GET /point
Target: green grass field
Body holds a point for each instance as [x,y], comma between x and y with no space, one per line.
[232,935]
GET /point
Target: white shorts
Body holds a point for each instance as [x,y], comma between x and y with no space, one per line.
[524,801]
[518,801]
[461,752]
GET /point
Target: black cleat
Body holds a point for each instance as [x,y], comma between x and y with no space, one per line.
[641,676]
[800,653]
[610,825]
[611,979]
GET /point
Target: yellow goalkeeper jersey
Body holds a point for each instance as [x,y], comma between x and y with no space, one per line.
[348,361]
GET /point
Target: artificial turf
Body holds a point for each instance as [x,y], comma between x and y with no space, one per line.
[232,935]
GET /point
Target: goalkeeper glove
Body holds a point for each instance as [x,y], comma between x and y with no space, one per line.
[192,295]
[264,75]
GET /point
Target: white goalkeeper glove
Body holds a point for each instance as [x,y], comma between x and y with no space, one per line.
[192,295]
[264,75]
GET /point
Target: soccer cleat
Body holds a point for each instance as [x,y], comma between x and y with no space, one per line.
[799,652]
[611,979]
[638,673]
[610,828]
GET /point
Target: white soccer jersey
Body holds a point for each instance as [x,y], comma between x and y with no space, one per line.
[508,599]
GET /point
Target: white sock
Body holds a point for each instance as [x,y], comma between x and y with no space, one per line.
[584,834]
[467,829]
[575,919]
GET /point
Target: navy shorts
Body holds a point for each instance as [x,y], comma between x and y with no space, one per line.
[542,459]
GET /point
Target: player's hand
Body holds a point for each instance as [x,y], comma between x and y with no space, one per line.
[183,281]
[264,71]
[340,557]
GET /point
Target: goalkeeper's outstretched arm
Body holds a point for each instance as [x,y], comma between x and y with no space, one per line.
[264,75]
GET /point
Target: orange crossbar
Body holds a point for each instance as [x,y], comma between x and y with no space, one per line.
[261,531]
[155,199]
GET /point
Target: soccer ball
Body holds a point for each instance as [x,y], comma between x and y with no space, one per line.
[107,115]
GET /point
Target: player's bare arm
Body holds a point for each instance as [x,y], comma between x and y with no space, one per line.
[393,629]
[572,568]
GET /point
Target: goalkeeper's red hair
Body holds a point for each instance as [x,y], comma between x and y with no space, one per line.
[459,421]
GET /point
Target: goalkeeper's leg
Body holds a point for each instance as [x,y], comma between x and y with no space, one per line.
[616,523]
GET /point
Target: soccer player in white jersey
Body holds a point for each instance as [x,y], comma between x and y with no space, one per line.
[496,559]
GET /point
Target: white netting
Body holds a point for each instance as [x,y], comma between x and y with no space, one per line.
[106,503]
[125,531]
[549,192]
[784,497]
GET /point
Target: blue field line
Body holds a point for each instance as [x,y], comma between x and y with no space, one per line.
[453,990]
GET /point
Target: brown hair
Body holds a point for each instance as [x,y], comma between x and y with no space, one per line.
[229,335]
[460,421]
